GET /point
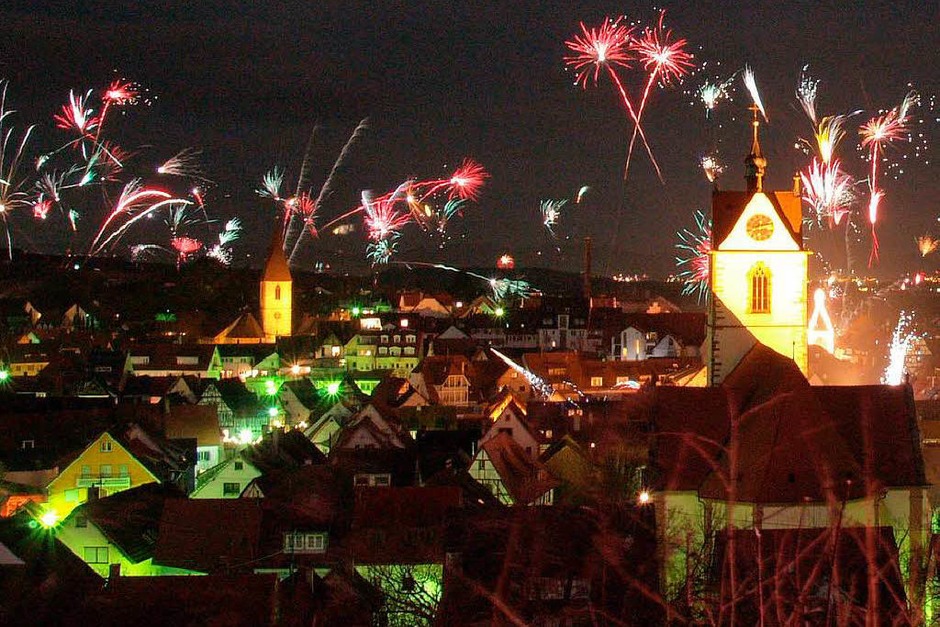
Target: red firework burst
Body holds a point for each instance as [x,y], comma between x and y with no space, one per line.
[608,44]
[467,180]
[663,58]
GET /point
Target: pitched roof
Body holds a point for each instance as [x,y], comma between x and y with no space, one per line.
[524,478]
[208,535]
[245,326]
[727,207]
[130,519]
[200,422]
[276,267]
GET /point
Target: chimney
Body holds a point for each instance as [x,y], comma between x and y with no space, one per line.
[114,571]
[587,269]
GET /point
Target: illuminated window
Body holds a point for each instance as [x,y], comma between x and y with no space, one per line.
[96,555]
[759,301]
[597,382]
[231,489]
[106,446]
[277,292]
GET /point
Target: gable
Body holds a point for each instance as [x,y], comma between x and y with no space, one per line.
[781,238]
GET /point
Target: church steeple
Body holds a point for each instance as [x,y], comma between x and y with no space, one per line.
[276,290]
[755,163]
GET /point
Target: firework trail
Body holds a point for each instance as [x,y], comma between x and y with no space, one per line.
[665,61]
[382,218]
[694,256]
[806,91]
[877,134]
[325,189]
[292,226]
[381,251]
[551,213]
[12,154]
[581,192]
[221,251]
[501,288]
[607,46]
[926,245]
[535,382]
[750,83]
[901,340]
[184,164]
[271,184]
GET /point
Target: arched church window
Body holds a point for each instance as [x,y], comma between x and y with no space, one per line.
[277,292]
[759,298]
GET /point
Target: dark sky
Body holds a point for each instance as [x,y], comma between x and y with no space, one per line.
[245,81]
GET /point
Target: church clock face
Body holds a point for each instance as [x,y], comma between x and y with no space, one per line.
[760,227]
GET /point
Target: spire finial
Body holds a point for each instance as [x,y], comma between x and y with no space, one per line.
[755,161]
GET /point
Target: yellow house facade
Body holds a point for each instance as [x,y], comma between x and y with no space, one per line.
[106,465]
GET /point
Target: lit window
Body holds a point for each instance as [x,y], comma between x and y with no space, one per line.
[96,555]
[277,292]
[106,446]
[231,489]
[597,382]
[759,277]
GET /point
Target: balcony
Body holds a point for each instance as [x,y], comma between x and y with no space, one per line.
[109,481]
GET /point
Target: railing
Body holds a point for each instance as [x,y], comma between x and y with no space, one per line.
[86,481]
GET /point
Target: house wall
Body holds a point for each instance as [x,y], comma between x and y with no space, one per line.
[483,471]
[213,487]
[78,539]
[70,488]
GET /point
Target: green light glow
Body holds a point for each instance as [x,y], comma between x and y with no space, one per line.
[332,388]
[499,312]
[4,375]
[356,311]
[49,519]
[272,411]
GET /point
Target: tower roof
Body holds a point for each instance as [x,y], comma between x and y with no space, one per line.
[276,267]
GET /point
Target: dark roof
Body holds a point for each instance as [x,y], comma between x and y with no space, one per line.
[727,207]
[130,519]
[209,535]
[524,478]
[307,393]
[237,600]
[200,422]
[280,450]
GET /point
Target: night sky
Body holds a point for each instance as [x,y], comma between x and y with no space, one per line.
[245,82]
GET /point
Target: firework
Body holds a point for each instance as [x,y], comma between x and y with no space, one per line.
[324,189]
[41,208]
[665,60]
[901,340]
[926,245]
[77,115]
[694,256]
[184,247]
[271,184]
[551,213]
[382,219]
[184,164]
[536,382]
[806,92]
[221,251]
[828,191]
[595,48]
[712,167]
[381,251]
[750,83]
[581,192]
[467,180]
[12,180]
[713,92]
[608,46]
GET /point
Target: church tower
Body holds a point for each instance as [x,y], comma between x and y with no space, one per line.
[276,287]
[758,276]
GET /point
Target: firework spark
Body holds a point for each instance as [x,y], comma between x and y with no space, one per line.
[596,48]
[828,191]
[551,213]
[184,164]
[712,167]
[901,341]
[926,245]
[711,93]
[694,256]
[12,180]
[581,192]
[806,92]
[750,83]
